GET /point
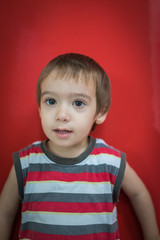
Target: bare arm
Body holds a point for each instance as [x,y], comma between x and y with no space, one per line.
[9,203]
[142,203]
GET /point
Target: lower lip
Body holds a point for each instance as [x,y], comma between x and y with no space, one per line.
[62,134]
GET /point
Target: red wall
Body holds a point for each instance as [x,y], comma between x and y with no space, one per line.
[117,34]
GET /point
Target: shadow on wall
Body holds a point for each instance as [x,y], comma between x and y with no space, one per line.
[154,8]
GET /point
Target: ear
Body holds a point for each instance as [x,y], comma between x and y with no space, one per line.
[100,118]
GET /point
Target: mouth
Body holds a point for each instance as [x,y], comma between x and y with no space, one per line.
[62,131]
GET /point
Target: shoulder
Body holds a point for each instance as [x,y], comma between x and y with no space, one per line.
[34,147]
[103,147]
[25,156]
[107,154]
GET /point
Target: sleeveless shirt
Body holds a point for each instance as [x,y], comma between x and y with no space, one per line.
[69,199]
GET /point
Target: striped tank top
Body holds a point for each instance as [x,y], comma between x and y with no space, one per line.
[69,199]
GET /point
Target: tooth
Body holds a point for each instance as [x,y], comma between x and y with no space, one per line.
[61,131]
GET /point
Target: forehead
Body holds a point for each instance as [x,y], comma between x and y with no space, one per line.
[68,85]
[68,74]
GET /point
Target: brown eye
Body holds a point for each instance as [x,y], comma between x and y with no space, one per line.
[78,103]
[51,101]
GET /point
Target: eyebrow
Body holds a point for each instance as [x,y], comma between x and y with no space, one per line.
[46,93]
[83,95]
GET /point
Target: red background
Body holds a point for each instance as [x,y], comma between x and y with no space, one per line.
[124,37]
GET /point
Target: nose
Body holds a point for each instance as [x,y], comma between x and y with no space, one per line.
[63,114]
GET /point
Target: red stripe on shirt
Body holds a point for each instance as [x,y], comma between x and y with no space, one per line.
[31,150]
[43,236]
[71,177]
[68,207]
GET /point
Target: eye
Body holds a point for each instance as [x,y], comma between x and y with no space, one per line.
[51,101]
[78,103]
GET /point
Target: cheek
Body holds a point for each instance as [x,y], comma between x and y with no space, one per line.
[45,120]
[91,115]
[86,122]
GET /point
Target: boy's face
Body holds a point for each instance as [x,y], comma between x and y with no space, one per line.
[68,111]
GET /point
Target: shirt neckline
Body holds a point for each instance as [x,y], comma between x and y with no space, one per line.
[68,161]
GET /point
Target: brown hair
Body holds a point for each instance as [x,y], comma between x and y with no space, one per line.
[78,66]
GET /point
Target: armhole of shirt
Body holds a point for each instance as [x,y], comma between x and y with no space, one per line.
[19,174]
[119,178]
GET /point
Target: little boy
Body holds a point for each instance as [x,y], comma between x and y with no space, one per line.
[69,184]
